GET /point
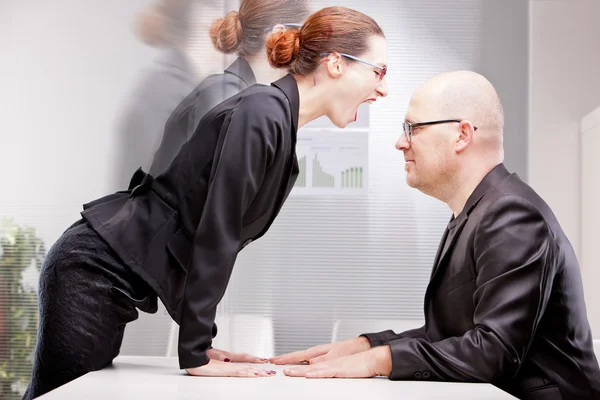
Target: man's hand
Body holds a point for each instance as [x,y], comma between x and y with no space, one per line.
[222,355]
[221,368]
[374,362]
[324,352]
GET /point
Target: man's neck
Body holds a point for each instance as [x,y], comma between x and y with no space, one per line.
[466,183]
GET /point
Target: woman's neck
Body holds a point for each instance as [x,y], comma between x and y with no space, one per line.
[313,99]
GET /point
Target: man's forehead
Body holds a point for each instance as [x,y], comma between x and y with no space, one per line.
[421,105]
[413,111]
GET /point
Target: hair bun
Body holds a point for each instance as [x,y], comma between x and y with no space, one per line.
[283,47]
[226,33]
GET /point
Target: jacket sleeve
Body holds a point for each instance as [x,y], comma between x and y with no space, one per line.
[249,145]
[383,338]
[513,250]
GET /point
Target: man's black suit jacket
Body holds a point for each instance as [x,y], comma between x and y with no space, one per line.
[505,302]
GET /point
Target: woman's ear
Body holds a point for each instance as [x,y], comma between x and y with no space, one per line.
[335,66]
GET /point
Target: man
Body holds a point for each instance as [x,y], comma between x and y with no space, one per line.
[505,301]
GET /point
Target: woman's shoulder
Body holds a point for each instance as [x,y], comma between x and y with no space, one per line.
[260,92]
[263,100]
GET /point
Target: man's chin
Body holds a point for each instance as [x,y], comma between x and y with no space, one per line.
[411,181]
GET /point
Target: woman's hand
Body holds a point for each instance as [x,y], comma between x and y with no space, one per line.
[222,368]
[324,352]
[222,355]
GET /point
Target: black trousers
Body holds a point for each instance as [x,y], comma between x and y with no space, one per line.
[86,297]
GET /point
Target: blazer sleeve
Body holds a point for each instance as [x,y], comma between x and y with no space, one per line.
[383,338]
[249,146]
[513,249]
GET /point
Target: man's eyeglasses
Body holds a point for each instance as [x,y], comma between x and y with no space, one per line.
[382,72]
[408,127]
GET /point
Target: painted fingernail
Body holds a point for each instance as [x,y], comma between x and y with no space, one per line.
[256,373]
[227,360]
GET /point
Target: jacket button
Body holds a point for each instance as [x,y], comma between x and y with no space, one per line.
[426,374]
[417,375]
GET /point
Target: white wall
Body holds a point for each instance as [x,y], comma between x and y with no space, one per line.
[564,87]
[564,84]
[65,67]
[590,213]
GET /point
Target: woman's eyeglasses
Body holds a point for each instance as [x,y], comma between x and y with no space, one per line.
[382,70]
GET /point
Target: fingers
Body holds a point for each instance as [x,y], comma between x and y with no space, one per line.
[300,356]
[320,359]
[282,359]
[297,371]
[290,358]
[221,355]
[322,371]
[255,373]
[248,358]
[218,368]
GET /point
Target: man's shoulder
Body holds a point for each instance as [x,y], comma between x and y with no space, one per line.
[513,195]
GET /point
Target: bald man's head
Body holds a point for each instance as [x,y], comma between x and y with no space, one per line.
[470,138]
[465,94]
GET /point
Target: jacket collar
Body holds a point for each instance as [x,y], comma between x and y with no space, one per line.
[289,87]
[242,69]
[492,179]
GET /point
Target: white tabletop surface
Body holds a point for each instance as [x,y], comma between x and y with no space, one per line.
[150,378]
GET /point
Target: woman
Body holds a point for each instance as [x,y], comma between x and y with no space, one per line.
[242,32]
[165,26]
[177,236]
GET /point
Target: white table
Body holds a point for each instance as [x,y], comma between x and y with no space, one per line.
[151,378]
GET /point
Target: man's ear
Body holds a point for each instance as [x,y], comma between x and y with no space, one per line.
[335,66]
[465,137]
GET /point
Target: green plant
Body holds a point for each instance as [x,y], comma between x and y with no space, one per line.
[21,257]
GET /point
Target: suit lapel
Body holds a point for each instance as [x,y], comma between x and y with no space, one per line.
[495,176]
[438,254]
[446,244]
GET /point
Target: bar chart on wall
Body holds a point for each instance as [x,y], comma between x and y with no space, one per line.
[332,162]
